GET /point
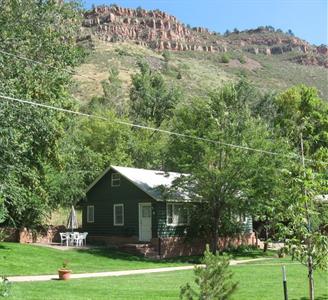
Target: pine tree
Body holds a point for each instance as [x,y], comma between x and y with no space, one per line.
[214,281]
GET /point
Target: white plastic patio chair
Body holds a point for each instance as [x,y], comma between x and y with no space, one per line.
[63,238]
[76,239]
[83,237]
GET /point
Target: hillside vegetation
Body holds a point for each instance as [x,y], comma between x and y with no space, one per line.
[193,59]
[194,72]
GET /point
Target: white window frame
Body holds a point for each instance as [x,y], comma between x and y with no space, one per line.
[114,214]
[115,182]
[89,220]
[174,223]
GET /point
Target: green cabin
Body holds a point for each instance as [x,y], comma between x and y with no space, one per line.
[125,206]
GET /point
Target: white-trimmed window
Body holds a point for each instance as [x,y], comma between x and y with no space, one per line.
[116,179]
[177,214]
[90,213]
[118,214]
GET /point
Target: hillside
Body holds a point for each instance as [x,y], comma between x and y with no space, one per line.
[201,59]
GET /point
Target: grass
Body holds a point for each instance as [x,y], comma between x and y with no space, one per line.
[24,259]
[200,71]
[19,259]
[256,282]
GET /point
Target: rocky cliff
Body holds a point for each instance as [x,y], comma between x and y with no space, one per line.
[161,31]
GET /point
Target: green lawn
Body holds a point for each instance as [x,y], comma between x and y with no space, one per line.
[19,259]
[258,282]
[23,259]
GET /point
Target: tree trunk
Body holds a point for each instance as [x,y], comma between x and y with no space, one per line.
[215,242]
[311,280]
[266,243]
[215,238]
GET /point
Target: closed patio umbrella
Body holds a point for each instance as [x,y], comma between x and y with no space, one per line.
[72,220]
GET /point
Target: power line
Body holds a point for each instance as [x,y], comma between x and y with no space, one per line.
[294,156]
[45,64]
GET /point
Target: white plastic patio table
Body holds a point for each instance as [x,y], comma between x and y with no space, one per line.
[70,238]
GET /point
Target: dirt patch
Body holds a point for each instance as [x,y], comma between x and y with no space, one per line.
[250,64]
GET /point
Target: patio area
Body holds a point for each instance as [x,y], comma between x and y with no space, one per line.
[58,246]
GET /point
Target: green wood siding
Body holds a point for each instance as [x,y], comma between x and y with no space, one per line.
[164,230]
[103,196]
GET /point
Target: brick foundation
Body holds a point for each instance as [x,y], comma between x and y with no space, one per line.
[180,246]
[112,241]
[24,235]
[172,246]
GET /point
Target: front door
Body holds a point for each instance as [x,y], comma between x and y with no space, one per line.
[145,222]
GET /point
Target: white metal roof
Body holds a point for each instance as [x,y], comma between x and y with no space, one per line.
[149,180]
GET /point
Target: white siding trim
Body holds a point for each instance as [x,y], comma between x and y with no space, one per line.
[90,217]
[115,179]
[173,224]
[114,214]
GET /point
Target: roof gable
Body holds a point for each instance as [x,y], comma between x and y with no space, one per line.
[149,181]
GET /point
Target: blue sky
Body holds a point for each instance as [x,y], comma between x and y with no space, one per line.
[306,18]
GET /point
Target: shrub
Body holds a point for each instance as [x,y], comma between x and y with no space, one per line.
[225,58]
[5,287]
[3,234]
[214,281]
[167,56]
[242,59]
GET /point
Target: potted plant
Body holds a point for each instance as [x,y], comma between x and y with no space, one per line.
[64,273]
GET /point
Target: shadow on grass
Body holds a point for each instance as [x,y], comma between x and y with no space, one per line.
[116,254]
[248,252]
[322,297]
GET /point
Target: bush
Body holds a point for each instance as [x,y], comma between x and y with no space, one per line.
[214,281]
[167,56]
[5,287]
[242,59]
[225,58]
[3,234]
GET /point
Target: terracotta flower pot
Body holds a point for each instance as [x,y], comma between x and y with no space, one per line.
[64,274]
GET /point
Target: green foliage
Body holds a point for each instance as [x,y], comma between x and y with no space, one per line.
[29,135]
[103,143]
[5,287]
[227,32]
[225,58]
[242,59]
[222,177]
[299,109]
[167,56]
[3,210]
[113,94]
[152,100]
[301,221]
[214,281]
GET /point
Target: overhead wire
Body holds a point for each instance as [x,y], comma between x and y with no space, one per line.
[133,125]
[45,64]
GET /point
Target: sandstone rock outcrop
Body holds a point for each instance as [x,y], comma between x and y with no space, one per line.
[155,29]
[161,31]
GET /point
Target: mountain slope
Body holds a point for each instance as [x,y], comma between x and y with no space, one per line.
[198,59]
